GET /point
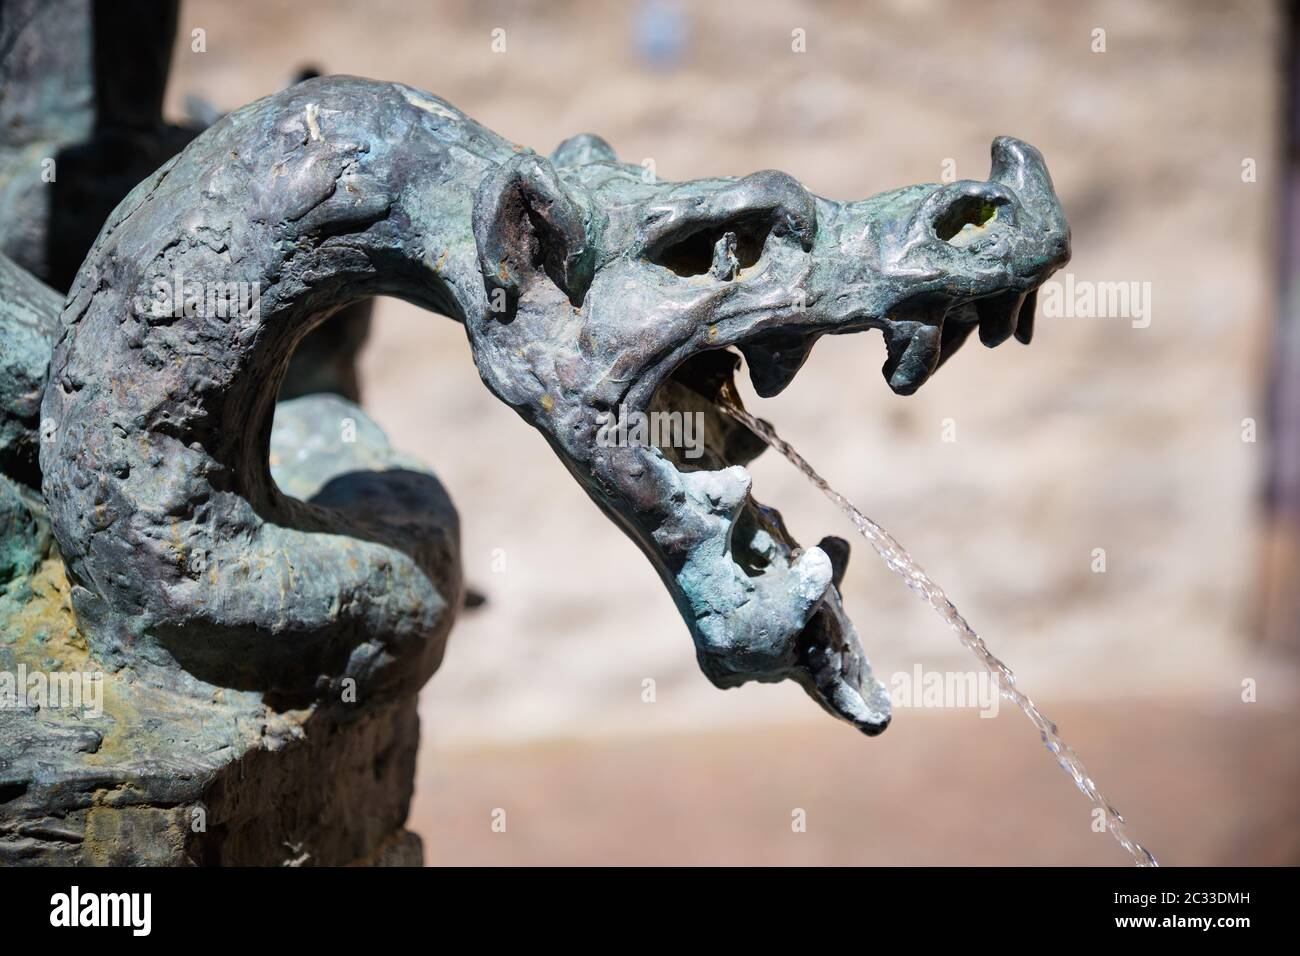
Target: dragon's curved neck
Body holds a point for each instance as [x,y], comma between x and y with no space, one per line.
[180,325]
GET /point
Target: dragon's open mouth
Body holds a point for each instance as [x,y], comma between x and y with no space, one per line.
[783,617]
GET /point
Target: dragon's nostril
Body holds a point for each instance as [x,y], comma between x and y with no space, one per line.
[975,211]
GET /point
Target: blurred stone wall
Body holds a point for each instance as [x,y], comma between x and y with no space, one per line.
[1106,433]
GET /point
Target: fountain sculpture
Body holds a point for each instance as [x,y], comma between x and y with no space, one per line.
[264,587]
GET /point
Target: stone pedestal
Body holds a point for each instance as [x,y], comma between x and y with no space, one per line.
[103,769]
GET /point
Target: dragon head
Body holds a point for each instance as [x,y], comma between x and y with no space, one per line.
[617,301]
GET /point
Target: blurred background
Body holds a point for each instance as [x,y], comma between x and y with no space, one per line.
[1103,516]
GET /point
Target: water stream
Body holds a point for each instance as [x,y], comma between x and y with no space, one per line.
[901,563]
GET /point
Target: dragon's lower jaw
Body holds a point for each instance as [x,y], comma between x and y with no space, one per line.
[760,607]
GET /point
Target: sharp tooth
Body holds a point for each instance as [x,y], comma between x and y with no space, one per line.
[837,549]
[912,358]
[810,576]
[774,361]
[1025,327]
[998,317]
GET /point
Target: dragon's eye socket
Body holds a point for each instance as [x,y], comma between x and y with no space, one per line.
[696,251]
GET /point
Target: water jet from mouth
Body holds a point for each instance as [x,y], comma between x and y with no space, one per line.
[898,560]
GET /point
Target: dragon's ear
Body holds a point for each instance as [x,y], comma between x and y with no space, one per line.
[526,223]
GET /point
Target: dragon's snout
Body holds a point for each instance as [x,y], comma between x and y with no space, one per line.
[963,256]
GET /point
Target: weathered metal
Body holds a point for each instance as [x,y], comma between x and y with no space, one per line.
[583,288]
[219,554]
